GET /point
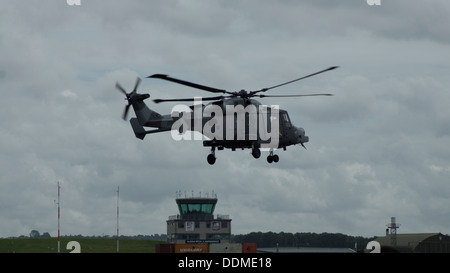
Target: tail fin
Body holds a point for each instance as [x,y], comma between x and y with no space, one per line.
[145,115]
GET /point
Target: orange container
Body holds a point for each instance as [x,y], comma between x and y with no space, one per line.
[191,248]
[249,248]
[165,248]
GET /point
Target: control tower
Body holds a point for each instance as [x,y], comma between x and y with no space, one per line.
[196,223]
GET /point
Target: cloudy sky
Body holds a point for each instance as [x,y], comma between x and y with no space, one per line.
[379,148]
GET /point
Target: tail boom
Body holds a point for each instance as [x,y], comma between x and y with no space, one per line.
[140,132]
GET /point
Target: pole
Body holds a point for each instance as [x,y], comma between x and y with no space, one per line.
[117,219]
[59,242]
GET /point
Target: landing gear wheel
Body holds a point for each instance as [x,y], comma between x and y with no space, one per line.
[211,159]
[276,158]
[256,153]
[272,158]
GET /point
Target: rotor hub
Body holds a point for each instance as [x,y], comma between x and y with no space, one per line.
[242,93]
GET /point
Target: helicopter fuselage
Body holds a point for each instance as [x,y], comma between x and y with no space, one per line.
[232,123]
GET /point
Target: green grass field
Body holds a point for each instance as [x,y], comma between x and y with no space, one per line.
[87,245]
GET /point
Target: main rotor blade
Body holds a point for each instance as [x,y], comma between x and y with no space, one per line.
[290,96]
[189,99]
[310,75]
[190,84]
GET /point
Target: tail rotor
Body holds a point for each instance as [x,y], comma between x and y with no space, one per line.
[128,96]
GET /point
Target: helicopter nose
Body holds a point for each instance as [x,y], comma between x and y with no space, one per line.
[300,133]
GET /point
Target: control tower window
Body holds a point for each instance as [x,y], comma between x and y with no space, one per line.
[196,208]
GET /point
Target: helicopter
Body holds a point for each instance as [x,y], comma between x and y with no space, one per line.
[233,120]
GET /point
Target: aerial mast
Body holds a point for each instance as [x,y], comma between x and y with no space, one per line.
[393,226]
[59,242]
[117,218]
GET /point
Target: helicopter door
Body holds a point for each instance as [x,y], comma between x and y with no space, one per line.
[263,122]
[251,121]
[266,122]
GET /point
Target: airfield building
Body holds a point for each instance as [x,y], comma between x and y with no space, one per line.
[196,222]
[416,242]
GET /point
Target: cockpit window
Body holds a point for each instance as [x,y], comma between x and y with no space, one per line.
[286,120]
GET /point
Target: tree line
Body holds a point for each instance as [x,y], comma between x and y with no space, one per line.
[35,234]
[262,239]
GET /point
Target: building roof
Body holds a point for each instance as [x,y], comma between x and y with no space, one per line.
[409,240]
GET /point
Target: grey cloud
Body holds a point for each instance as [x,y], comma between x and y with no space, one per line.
[377,148]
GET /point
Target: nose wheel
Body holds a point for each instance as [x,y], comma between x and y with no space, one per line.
[272,158]
[211,158]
